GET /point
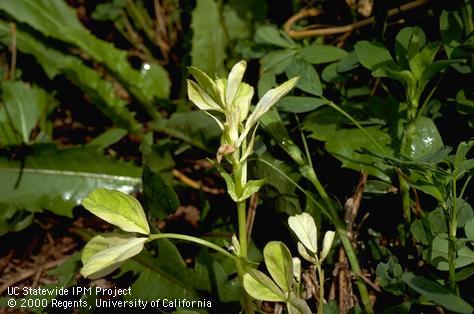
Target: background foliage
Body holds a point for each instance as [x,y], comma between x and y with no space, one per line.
[93,94]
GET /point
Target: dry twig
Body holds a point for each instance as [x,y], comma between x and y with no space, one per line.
[313,12]
[195,184]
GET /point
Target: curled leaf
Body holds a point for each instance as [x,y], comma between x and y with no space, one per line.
[105,253]
[327,242]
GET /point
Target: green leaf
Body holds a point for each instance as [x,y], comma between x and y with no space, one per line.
[251,187]
[261,287]
[426,139]
[57,20]
[14,220]
[273,125]
[346,144]
[117,208]
[105,253]
[22,105]
[270,35]
[160,198]
[277,61]
[166,276]
[229,180]
[102,92]
[279,264]
[308,77]
[108,138]
[390,276]
[403,308]
[193,127]
[298,306]
[266,82]
[304,227]
[409,38]
[373,55]
[439,254]
[469,229]
[437,293]
[208,42]
[460,165]
[451,30]
[317,53]
[57,180]
[297,104]
[465,212]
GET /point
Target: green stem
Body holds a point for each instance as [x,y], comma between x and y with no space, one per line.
[453,225]
[331,212]
[191,239]
[242,222]
[346,242]
[407,151]
[321,290]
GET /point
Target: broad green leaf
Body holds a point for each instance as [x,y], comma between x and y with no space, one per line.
[408,38]
[304,227]
[240,17]
[439,254]
[317,53]
[57,20]
[160,197]
[308,77]
[117,208]
[437,293]
[346,144]
[279,264]
[298,306]
[270,35]
[209,41]
[56,180]
[419,232]
[469,229]
[261,287]
[465,212]
[423,59]
[105,253]
[373,55]
[250,188]
[103,93]
[22,105]
[297,104]
[426,139]
[277,61]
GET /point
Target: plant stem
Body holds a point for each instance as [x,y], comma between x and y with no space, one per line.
[321,290]
[407,151]
[453,225]
[191,239]
[346,242]
[242,222]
